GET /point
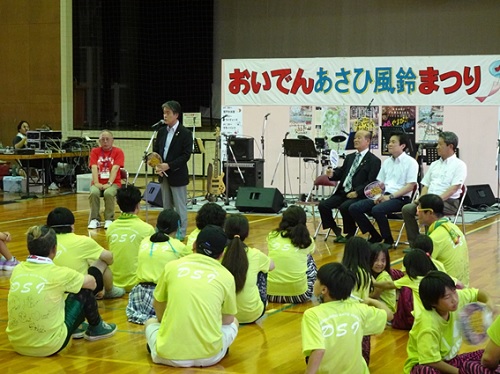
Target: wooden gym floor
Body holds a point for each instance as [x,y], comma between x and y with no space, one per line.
[273,345]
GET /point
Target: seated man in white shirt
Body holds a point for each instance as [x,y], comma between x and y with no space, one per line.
[445,178]
[399,175]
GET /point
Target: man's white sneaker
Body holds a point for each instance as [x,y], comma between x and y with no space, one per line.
[93,224]
[107,223]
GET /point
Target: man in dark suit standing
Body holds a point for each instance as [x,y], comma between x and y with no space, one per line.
[359,169]
[174,143]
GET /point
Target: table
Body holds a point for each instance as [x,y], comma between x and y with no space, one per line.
[40,156]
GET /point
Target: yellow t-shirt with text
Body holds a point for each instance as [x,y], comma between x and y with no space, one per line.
[289,276]
[153,257]
[77,252]
[36,304]
[124,237]
[338,328]
[197,290]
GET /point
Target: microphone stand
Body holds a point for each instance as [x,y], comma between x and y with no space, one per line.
[144,162]
[262,136]
[229,149]
[193,197]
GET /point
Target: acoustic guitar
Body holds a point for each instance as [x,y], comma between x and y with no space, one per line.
[215,176]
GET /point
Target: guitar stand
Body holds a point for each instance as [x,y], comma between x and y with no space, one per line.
[198,148]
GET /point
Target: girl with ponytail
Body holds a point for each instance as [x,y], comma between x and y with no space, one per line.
[249,267]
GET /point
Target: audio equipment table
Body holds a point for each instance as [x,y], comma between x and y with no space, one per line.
[40,156]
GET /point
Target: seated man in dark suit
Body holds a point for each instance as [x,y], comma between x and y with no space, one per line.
[359,169]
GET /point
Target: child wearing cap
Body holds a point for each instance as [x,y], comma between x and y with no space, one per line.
[154,252]
[125,235]
[195,303]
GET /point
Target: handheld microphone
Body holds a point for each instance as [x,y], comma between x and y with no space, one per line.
[158,124]
[267,115]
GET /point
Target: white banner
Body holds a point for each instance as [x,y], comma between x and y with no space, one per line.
[435,80]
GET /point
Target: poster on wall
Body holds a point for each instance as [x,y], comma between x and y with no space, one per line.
[430,124]
[398,119]
[301,122]
[329,122]
[365,118]
[231,124]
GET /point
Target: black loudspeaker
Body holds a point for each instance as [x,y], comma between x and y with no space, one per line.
[242,149]
[253,173]
[478,195]
[153,194]
[259,200]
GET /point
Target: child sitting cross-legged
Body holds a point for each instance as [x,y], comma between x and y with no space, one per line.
[433,342]
[332,331]
[154,253]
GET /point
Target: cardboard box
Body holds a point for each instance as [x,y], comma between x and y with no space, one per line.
[83,183]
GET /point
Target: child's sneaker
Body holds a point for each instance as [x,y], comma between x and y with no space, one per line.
[3,260]
[80,331]
[115,293]
[101,331]
[10,264]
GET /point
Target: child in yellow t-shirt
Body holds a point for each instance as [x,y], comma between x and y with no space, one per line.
[433,341]
[154,253]
[249,267]
[380,263]
[332,331]
[290,246]
[209,214]
[47,303]
[357,259]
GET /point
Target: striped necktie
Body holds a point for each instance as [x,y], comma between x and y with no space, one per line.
[352,170]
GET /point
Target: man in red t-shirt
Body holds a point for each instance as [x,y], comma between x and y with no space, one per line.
[105,162]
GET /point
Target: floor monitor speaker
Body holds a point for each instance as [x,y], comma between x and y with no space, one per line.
[479,195]
[253,175]
[153,194]
[259,200]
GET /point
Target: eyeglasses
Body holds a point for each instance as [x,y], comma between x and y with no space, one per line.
[425,210]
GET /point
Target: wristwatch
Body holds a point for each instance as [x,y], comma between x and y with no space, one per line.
[391,196]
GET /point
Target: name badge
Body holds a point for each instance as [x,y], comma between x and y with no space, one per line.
[105,175]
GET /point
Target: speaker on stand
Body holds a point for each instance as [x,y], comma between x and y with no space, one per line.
[242,149]
[253,173]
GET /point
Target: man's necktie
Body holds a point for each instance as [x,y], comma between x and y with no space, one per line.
[352,170]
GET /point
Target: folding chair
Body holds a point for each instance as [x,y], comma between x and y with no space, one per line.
[124,178]
[321,181]
[398,216]
[460,210]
